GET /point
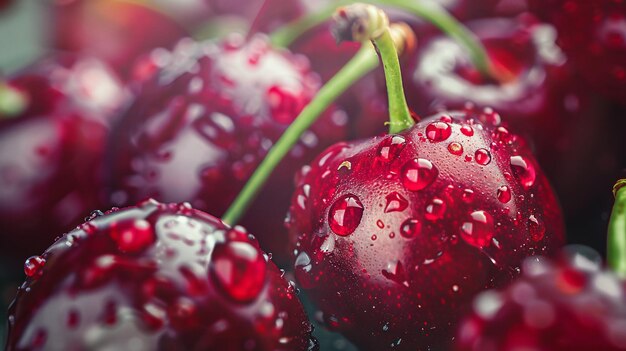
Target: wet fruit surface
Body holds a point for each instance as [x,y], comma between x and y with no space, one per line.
[395,235]
[565,305]
[206,119]
[51,154]
[156,277]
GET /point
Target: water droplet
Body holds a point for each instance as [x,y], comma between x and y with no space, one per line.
[33,266]
[502,135]
[391,147]
[345,215]
[395,272]
[132,236]
[467,196]
[303,270]
[380,224]
[410,228]
[418,174]
[438,131]
[490,116]
[504,194]
[94,214]
[524,171]
[395,203]
[467,130]
[482,157]
[536,228]
[478,230]
[455,148]
[435,210]
[374,237]
[239,269]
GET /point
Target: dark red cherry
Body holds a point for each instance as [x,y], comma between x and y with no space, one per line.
[592,35]
[156,277]
[564,305]
[207,118]
[51,154]
[396,234]
[117,31]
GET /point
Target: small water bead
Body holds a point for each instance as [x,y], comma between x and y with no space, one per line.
[33,266]
[536,228]
[438,131]
[524,171]
[502,135]
[436,209]
[345,215]
[478,229]
[303,270]
[391,147]
[455,148]
[380,224]
[132,236]
[410,228]
[395,203]
[238,269]
[418,173]
[482,157]
[504,194]
[467,130]
[467,196]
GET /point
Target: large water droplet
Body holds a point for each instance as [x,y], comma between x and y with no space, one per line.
[435,210]
[478,229]
[395,203]
[482,157]
[345,215]
[467,130]
[238,269]
[33,266]
[418,174]
[303,270]
[438,131]
[504,194]
[536,228]
[524,171]
[455,148]
[132,236]
[391,147]
[410,228]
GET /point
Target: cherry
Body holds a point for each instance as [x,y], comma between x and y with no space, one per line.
[395,235]
[117,31]
[160,277]
[592,32]
[207,118]
[570,304]
[51,150]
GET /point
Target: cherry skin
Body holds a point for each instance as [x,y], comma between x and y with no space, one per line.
[156,277]
[563,305]
[395,234]
[205,121]
[51,154]
[116,31]
[591,32]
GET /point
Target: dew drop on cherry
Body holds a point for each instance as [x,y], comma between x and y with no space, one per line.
[238,269]
[395,272]
[410,228]
[345,215]
[435,210]
[391,147]
[467,130]
[395,202]
[33,266]
[455,148]
[536,228]
[524,171]
[438,131]
[478,229]
[482,157]
[467,196]
[418,173]
[132,236]
[504,194]
[303,270]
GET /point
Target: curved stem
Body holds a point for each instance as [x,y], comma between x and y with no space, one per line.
[431,12]
[616,241]
[362,63]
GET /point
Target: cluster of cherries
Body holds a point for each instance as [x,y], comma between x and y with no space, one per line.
[409,202]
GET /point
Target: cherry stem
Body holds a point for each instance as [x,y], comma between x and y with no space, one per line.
[364,61]
[429,11]
[616,241]
[12,101]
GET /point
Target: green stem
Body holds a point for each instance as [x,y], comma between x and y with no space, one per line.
[399,115]
[616,241]
[431,12]
[362,63]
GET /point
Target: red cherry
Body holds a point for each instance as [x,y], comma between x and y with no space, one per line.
[402,277]
[189,287]
[565,305]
